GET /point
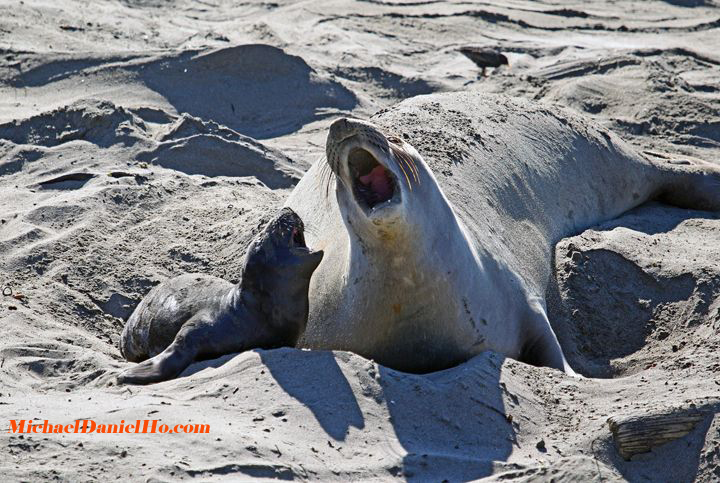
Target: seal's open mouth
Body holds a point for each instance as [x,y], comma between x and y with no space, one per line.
[298,238]
[289,231]
[296,243]
[372,183]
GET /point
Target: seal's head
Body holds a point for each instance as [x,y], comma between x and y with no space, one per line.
[280,250]
[378,174]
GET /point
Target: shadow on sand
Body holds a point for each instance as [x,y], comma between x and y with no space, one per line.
[257,90]
[449,423]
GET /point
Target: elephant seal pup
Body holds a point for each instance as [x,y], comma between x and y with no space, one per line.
[194,316]
[432,259]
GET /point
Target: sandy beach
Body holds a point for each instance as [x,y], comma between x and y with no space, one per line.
[141,140]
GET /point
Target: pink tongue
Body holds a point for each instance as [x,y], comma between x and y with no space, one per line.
[379,182]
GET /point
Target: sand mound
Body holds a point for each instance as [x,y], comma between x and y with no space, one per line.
[195,147]
[95,121]
[636,92]
[638,292]
[384,84]
[249,88]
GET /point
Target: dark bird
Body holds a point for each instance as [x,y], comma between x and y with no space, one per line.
[484,57]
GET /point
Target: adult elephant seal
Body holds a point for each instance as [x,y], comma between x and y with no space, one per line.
[432,259]
[195,316]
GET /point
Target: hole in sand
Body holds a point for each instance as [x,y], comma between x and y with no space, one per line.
[629,298]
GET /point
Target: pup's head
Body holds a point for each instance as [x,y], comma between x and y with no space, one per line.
[280,250]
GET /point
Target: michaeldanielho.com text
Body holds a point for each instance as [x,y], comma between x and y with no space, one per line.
[90,426]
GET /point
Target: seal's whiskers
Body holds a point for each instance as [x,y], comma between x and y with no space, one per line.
[407,179]
[399,154]
[326,175]
[413,166]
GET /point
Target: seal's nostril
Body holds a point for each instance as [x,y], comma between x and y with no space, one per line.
[340,129]
[340,125]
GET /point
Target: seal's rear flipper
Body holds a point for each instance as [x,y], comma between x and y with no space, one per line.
[545,351]
[166,365]
[694,186]
[541,347]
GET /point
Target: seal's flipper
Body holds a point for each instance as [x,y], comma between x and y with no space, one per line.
[544,351]
[692,186]
[541,347]
[170,362]
[164,366]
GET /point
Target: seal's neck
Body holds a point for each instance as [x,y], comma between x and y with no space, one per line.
[246,300]
[413,250]
[274,301]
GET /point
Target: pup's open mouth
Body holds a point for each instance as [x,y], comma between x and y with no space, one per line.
[372,183]
[298,238]
[297,243]
[301,253]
